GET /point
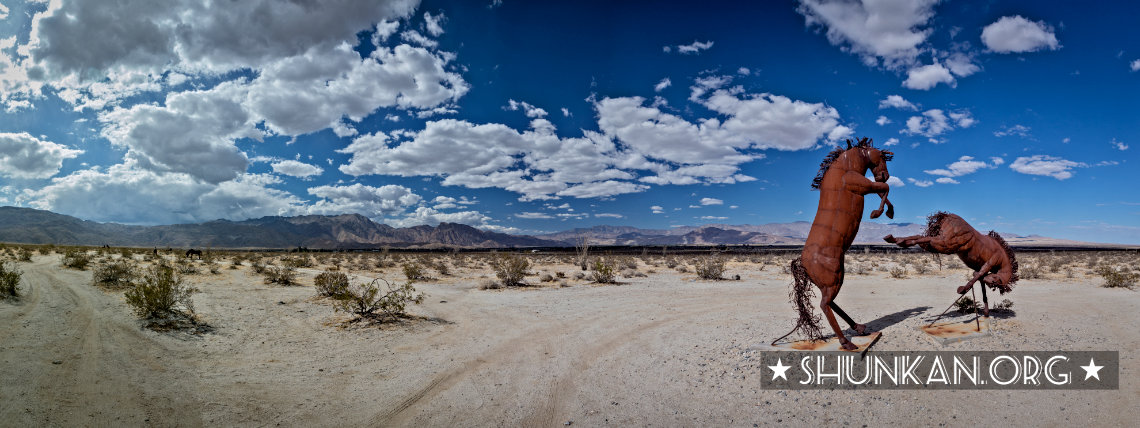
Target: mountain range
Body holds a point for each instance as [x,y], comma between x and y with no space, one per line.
[354,231]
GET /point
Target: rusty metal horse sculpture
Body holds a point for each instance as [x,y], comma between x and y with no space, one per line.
[842,183]
[989,256]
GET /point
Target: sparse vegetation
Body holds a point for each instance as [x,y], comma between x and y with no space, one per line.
[370,301]
[415,271]
[280,275]
[1117,278]
[114,274]
[899,272]
[25,255]
[76,259]
[603,271]
[160,293]
[9,281]
[330,283]
[711,267]
[966,305]
[510,269]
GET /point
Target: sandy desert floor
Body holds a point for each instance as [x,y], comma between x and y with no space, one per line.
[666,349]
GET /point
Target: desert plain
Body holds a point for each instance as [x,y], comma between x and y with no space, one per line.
[660,347]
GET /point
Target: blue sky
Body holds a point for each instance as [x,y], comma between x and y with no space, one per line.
[527,117]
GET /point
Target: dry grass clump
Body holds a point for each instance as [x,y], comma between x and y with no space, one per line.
[371,302]
[711,267]
[25,255]
[114,274]
[898,272]
[1117,278]
[510,269]
[415,271]
[9,281]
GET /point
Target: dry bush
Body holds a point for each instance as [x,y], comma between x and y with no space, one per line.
[297,262]
[632,273]
[966,305]
[898,272]
[76,259]
[330,283]
[510,269]
[9,281]
[45,250]
[546,277]
[711,267]
[1117,278]
[1006,305]
[415,271]
[1031,271]
[186,266]
[114,274]
[489,284]
[281,275]
[25,255]
[603,271]
[160,293]
[921,268]
[370,301]
[442,267]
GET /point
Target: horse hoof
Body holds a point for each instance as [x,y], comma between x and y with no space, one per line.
[849,346]
[861,329]
[890,239]
[963,289]
[876,213]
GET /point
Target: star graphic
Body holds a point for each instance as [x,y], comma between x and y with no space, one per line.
[779,370]
[1092,370]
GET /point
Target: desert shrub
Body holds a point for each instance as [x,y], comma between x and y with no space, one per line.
[415,271]
[331,283]
[114,274]
[603,272]
[9,281]
[45,250]
[76,259]
[489,284]
[510,269]
[711,267]
[632,273]
[579,275]
[1006,305]
[187,267]
[281,275]
[25,255]
[898,272]
[546,277]
[370,301]
[442,267]
[297,262]
[859,269]
[1114,278]
[966,305]
[160,292]
[1031,271]
[921,268]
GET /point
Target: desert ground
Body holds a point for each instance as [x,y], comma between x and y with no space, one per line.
[661,347]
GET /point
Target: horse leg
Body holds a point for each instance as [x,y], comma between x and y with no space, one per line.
[981,272]
[986,301]
[861,329]
[908,241]
[858,184]
[825,304]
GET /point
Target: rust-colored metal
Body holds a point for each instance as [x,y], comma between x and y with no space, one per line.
[842,184]
[990,257]
[951,331]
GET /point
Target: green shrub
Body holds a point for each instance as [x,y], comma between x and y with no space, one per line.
[510,269]
[281,275]
[966,305]
[160,293]
[603,272]
[114,274]
[331,283]
[25,255]
[711,267]
[370,301]
[76,259]
[414,271]
[1114,278]
[9,281]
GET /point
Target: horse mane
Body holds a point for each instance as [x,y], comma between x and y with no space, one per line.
[934,223]
[864,143]
[1005,288]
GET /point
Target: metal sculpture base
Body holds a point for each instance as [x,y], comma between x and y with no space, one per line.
[862,344]
[957,331]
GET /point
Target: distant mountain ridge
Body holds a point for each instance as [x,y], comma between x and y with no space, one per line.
[354,231]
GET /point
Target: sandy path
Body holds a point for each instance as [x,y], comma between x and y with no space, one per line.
[664,350]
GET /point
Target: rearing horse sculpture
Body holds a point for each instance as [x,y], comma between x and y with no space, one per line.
[842,183]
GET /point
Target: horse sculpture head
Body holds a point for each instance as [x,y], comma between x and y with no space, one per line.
[874,159]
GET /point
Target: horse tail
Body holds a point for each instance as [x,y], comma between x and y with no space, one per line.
[808,321]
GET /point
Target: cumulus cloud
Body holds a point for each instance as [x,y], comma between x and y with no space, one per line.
[891,142]
[963,166]
[25,156]
[533,215]
[1015,34]
[946,180]
[895,182]
[297,169]
[664,83]
[657,209]
[928,76]
[920,183]
[880,32]
[1134,65]
[1046,165]
[897,101]
[1018,130]
[1119,145]
[935,122]
[692,48]
[530,110]
[711,201]
[882,121]
[376,202]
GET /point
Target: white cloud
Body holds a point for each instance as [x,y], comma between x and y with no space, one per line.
[961,64]
[897,101]
[433,23]
[3,11]
[530,110]
[657,209]
[743,71]
[1134,65]
[609,215]
[1015,34]
[294,168]
[532,215]
[920,183]
[695,47]
[935,122]
[946,180]
[928,76]
[711,201]
[891,142]
[886,32]
[431,217]
[1119,145]
[376,202]
[710,217]
[997,161]
[25,156]
[963,166]
[565,112]
[664,83]
[1050,166]
[895,182]
[1018,130]
[882,121]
